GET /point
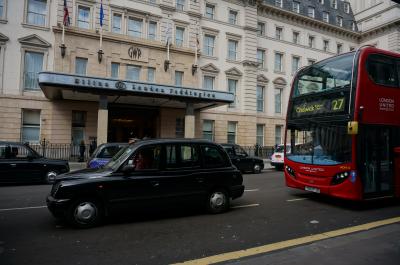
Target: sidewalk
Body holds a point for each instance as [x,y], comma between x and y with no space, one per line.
[76,166]
[376,246]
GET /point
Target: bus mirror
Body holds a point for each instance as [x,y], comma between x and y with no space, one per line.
[352,127]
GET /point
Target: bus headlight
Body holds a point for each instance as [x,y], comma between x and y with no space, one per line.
[290,171]
[340,177]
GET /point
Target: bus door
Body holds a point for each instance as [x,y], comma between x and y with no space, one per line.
[376,161]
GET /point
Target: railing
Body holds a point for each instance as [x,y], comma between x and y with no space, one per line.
[261,151]
[61,151]
[71,152]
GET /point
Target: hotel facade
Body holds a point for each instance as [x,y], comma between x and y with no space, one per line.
[225,75]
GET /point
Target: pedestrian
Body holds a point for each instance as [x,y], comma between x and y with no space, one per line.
[92,147]
[82,149]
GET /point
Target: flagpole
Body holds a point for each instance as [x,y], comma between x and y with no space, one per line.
[62,35]
[101,37]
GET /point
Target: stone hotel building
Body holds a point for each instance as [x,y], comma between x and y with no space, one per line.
[225,74]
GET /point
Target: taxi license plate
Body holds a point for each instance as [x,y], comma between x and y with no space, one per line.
[312,189]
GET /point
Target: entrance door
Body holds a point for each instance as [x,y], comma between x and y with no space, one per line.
[377,161]
[125,122]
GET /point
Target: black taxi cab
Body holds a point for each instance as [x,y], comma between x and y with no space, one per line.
[148,172]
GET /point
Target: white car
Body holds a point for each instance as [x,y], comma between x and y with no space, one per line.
[278,156]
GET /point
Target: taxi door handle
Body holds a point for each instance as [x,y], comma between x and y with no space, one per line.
[155,183]
[13,165]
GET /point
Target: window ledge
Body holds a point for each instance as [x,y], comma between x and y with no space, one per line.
[45,28]
[209,57]
[279,72]
[3,21]
[233,61]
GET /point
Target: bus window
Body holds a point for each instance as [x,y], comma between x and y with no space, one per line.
[382,70]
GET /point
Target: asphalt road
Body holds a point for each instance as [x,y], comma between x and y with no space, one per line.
[267,213]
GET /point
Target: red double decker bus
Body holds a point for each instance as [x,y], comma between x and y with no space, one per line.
[343,126]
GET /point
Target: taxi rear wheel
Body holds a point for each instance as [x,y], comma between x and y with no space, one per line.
[218,201]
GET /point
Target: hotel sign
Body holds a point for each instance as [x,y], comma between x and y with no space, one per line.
[91,84]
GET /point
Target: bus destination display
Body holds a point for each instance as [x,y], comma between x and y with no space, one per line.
[321,106]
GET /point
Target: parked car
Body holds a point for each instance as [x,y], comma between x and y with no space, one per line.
[278,156]
[104,153]
[148,173]
[21,164]
[242,160]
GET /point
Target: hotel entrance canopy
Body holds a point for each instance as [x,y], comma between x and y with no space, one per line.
[57,86]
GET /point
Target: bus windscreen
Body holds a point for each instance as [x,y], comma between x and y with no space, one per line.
[326,75]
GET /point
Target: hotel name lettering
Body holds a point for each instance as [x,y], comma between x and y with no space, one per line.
[144,88]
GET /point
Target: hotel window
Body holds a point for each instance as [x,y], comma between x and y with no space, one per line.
[346,7]
[326,45]
[311,11]
[334,4]
[232,132]
[325,16]
[278,33]
[36,12]
[260,28]
[278,134]
[260,99]
[278,100]
[339,21]
[296,37]
[311,41]
[208,43]
[135,27]
[296,7]
[30,126]
[295,64]
[261,58]
[80,66]
[152,34]
[278,3]
[208,130]
[83,17]
[232,50]
[178,78]
[180,5]
[353,26]
[115,70]
[278,62]
[180,128]
[151,73]
[233,17]
[179,33]
[33,64]
[116,23]
[133,72]
[310,61]
[260,134]
[232,86]
[339,48]
[78,126]
[2,9]
[210,11]
[208,82]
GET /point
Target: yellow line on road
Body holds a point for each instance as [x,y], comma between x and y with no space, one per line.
[289,243]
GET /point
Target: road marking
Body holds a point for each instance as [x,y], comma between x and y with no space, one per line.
[23,208]
[252,190]
[247,205]
[295,200]
[289,243]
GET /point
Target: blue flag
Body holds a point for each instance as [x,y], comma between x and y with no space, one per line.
[101,14]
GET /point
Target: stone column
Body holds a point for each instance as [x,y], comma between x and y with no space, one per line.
[189,121]
[102,120]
